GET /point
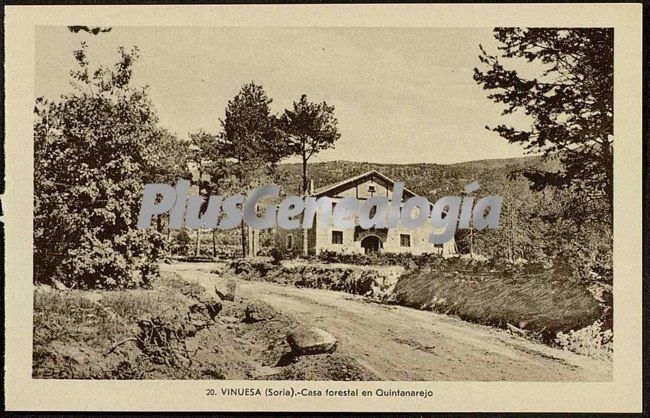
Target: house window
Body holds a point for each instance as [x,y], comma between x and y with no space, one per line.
[371,189]
[337,237]
[404,240]
[289,242]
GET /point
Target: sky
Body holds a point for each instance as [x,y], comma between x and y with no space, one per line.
[401,95]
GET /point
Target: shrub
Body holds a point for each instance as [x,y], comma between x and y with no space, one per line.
[181,242]
[350,280]
[407,260]
[594,340]
[126,262]
[277,255]
[249,267]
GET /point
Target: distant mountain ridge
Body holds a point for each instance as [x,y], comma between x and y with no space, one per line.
[427,179]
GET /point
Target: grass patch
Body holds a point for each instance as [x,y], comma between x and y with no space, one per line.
[73,330]
[544,302]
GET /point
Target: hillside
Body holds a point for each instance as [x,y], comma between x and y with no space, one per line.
[430,180]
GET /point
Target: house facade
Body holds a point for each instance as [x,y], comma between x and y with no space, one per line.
[358,240]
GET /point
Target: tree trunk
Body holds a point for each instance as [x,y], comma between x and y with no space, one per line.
[198,230]
[214,243]
[242,226]
[305,239]
[471,242]
[252,247]
[198,242]
[244,244]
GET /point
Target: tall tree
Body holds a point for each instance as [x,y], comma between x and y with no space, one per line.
[309,129]
[90,157]
[252,139]
[203,152]
[218,181]
[570,102]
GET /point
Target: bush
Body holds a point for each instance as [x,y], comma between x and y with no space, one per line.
[594,340]
[249,267]
[124,262]
[350,280]
[277,255]
[181,243]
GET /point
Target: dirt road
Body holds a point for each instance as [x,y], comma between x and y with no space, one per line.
[399,343]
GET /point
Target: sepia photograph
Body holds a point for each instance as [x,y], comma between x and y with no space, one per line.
[526,113]
[323,208]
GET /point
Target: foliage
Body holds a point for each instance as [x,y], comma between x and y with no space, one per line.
[277,255]
[593,340]
[203,154]
[92,155]
[309,128]
[181,242]
[251,135]
[369,282]
[570,103]
[167,158]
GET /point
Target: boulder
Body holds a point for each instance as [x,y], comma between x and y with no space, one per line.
[311,341]
[224,295]
[58,285]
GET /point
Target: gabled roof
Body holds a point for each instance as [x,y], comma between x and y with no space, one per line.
[335,188]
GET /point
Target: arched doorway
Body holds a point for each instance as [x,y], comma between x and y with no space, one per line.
[371,244]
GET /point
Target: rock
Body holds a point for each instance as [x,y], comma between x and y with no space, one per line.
[58,285]
[224,296]
[212,305]
[311,341]
[231,288]
[516,331]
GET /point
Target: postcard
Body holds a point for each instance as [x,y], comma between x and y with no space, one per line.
[363,208]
